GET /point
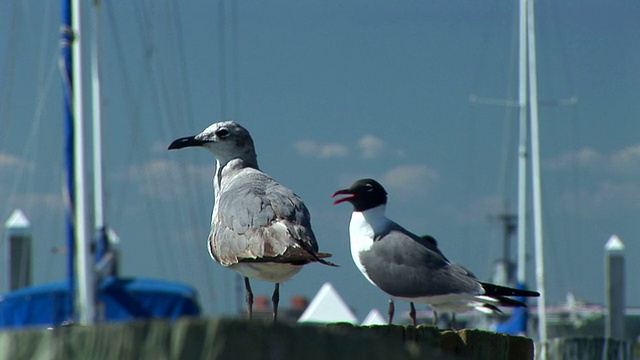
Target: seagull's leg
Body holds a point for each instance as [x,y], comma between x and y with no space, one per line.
[275,298]
[453,321]
[435,318]
[247,286]
[392,309]
[412,314]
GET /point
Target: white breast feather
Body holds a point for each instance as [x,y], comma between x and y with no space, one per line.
[362,229]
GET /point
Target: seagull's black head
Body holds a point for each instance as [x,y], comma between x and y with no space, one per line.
[365,194]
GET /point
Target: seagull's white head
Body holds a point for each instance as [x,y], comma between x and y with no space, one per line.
[227,140]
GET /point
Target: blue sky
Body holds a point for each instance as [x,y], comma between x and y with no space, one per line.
[332,92]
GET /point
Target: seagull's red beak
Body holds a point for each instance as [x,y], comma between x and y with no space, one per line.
[343,192]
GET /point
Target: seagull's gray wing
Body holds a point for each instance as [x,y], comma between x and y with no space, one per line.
[257,218]
[406,265]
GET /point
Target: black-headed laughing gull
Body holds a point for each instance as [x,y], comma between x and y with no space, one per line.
[259,228]
[410,267]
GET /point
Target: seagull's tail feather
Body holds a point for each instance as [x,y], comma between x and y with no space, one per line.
[498,291]
[488,309]
[294,256]
[505,301]
[320,258]
[489,304]
[308,244]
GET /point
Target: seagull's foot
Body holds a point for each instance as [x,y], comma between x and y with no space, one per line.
[247,287]
[275,299]
[391,311]
[412,314]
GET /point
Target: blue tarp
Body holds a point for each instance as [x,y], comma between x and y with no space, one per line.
[517,323]
[121,298]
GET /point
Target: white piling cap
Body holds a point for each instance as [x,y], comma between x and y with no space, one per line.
[614,244]
[17,220]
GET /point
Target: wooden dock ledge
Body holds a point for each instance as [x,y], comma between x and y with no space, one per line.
[220,338]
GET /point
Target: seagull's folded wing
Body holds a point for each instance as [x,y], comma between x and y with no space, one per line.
[257,218]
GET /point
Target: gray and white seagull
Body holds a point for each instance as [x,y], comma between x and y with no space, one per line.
[259,228]
[410,267]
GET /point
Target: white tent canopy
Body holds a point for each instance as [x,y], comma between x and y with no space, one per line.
[374,318]
[328,307]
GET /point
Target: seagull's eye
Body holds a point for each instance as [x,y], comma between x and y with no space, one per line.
[368,187]
[222,133]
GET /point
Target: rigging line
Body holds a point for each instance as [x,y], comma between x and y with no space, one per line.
[44,79]
[43,36]
[154,234]
[574,134]
[173,77]
[133,98]
[143,20]
[162,103]
[223,60]
[189,186]
[507,163]
[42,89]
[160,96]
[127,90]
[183,65]
[166,117]
[472,143]
[184,107]
[236,71]
[9,74]
[186,100]
[482,50]
[130,97]
[44,84]
[165,63]
[145,27]
[192,217]
[565,55]
[564,227]
[153,79]
[506,139]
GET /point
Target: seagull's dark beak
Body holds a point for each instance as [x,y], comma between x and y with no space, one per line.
[343,192]
[185,142]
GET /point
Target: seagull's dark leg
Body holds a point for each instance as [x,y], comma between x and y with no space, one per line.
[247,286]
[275,298]
[392,309]
[412,314]
[435,318]
[453,321]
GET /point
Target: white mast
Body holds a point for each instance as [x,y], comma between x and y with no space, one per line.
[97,124]
[84,268]
[522,147]
[535,167]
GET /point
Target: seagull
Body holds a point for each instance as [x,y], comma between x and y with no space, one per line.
[410,267]
[259,228]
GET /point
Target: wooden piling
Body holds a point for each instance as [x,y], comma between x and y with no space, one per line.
[222,339]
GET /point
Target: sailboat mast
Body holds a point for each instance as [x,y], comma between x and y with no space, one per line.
[66,39]
[84,263]
[522,147]
[535,168]
[98,194]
